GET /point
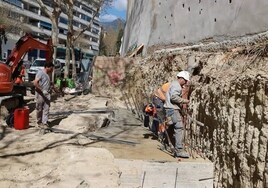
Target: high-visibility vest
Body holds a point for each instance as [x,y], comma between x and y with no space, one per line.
[161,92]
[19,79]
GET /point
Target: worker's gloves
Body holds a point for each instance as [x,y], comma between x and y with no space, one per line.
[45,92]
[186,101]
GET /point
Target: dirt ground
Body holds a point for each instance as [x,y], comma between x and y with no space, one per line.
[92,132]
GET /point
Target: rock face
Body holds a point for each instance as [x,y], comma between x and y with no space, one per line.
[229,90]
[108,73]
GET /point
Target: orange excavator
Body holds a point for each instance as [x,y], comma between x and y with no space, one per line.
[11,95]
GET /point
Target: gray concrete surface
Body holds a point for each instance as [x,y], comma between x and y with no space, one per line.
[144,164]
[148,174]
[178,21]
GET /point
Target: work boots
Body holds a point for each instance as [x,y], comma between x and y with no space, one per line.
[181,154]
[44,128]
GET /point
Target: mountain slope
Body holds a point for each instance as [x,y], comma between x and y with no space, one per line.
[114,25]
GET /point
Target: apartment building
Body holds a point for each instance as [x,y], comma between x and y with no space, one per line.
[29,14]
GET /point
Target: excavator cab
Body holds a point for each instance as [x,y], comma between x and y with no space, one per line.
[9,69]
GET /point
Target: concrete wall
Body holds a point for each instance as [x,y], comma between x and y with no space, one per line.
[158,22]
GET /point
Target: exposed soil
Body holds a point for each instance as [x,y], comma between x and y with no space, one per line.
[75,157]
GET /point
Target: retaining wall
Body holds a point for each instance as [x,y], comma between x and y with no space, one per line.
[158,22]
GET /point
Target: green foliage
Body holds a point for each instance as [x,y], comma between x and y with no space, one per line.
[102,47]
[118,42]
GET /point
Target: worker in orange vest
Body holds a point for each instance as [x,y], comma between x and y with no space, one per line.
[155,109]
[20,78]
[159,97]
[158,101]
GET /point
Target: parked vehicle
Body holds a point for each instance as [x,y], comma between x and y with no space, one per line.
[27,64]
[39,64]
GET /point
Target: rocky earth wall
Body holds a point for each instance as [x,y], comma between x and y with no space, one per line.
[108,74]
[229,90]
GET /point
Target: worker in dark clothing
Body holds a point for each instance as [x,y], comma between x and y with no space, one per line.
[159,98]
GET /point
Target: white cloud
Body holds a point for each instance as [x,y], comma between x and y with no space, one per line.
[120,5]
[108,18]
[117,6]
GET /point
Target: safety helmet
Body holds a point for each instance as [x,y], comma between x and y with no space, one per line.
[184,74]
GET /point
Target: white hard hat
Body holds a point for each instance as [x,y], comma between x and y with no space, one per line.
[184,74]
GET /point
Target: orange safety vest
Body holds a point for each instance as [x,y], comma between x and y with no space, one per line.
[161,92]
[19,79]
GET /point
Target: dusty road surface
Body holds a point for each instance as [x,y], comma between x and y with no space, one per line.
[96,142]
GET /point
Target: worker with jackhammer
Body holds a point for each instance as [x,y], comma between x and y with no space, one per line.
[173,110]
[158,101]
[156,109]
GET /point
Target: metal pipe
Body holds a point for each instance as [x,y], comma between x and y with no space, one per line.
[196,121]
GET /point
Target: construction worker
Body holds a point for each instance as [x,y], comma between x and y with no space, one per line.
[158,101]
[173,111]
[42,94]
[20,79]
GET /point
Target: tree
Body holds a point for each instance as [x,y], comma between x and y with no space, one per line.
[73,36]
[102,47]
[54,18]
[119,37]
[3,38]
[68,9]
[99,5]
[10,22]
[110,41]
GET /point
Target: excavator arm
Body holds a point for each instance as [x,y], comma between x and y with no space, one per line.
[8,69]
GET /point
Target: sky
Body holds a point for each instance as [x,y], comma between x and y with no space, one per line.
[117,10]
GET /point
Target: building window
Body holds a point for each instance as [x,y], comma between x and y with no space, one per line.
[75,23]
[76,4]
[14,15]
[63,20]
[87,9]
[77,14]
[95,31]
[94,39]
[96,24]
[85,17]
[95,48]
[16,3]
[48,3]
[45,25]
[63,31]
[32,54]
